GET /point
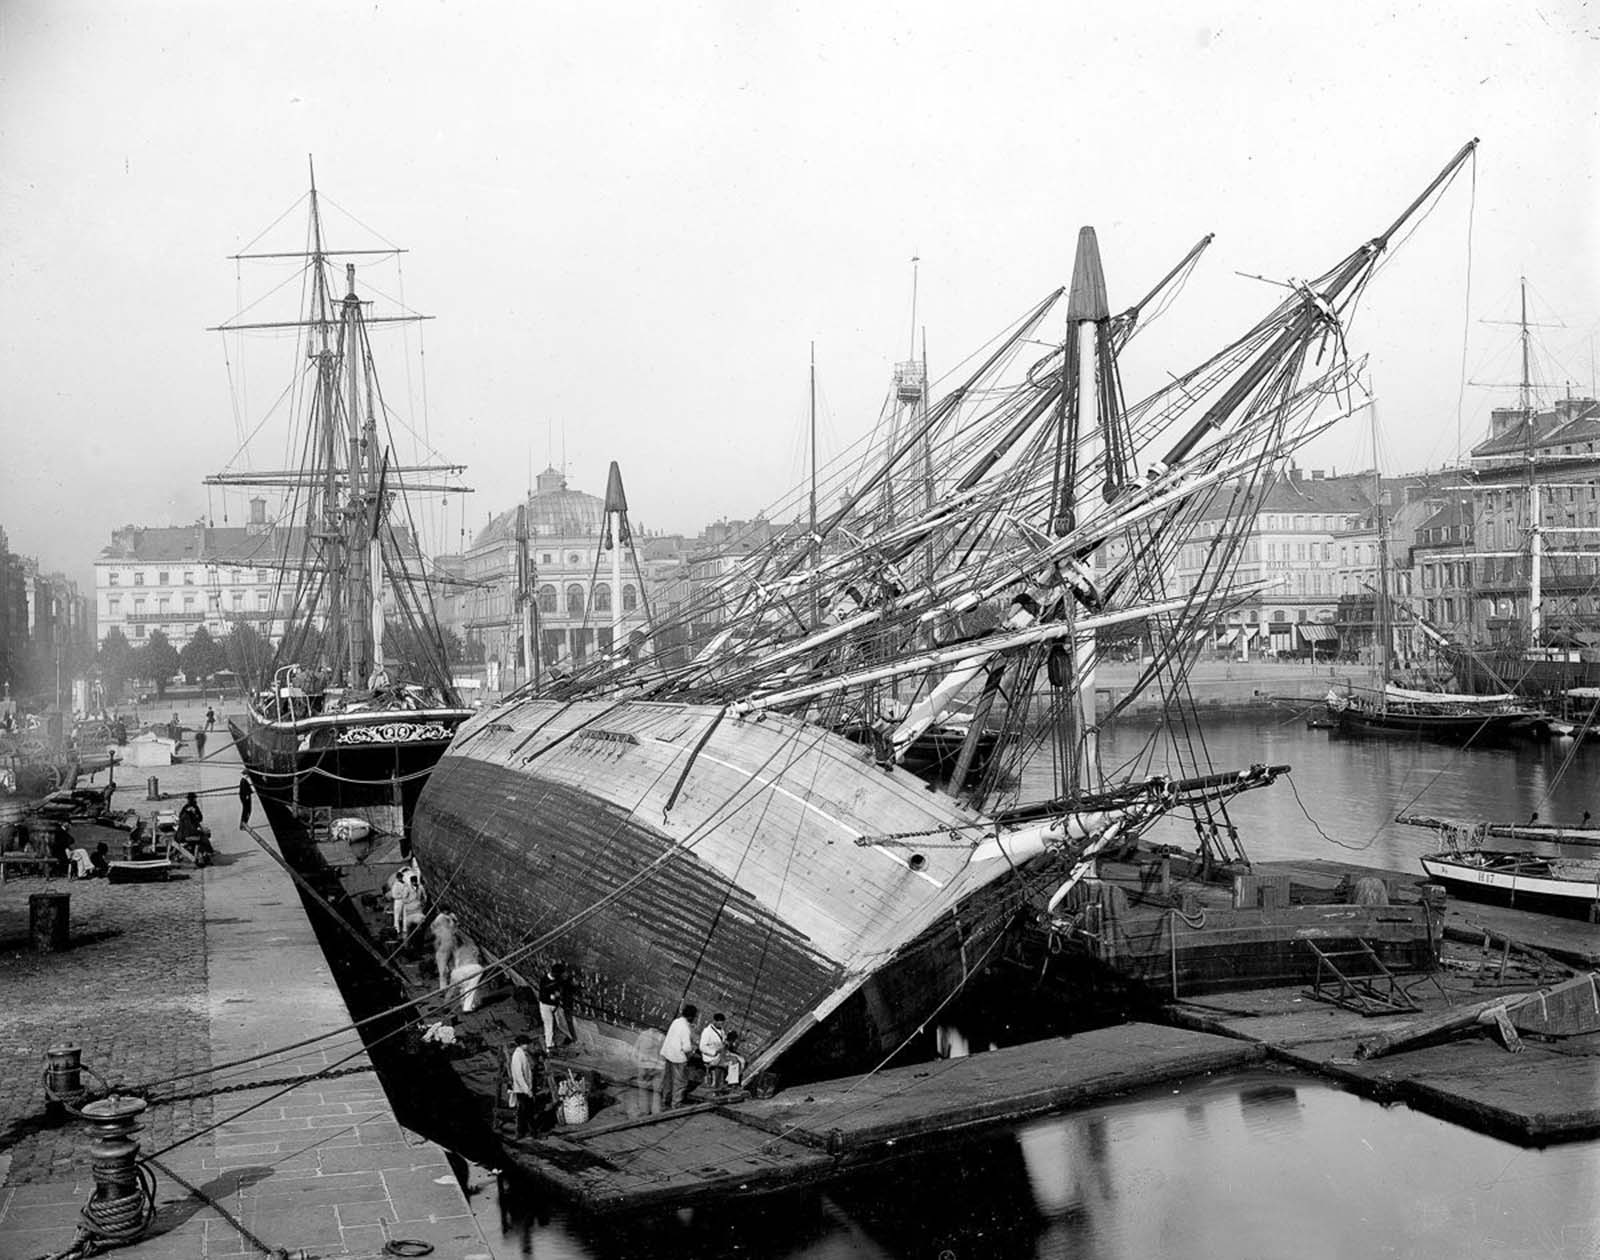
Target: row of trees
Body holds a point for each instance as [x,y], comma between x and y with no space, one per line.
[243,652]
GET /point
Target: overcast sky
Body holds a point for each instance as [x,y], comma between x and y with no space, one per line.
[630,220]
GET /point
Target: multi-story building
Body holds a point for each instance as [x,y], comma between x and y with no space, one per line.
[177,579]
[46,628]
[569,576]
[1309,542]
[1553,453]
[1441,565]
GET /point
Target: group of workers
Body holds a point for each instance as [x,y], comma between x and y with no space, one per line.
[713,1048]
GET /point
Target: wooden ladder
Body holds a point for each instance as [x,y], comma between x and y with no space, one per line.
[1374,991]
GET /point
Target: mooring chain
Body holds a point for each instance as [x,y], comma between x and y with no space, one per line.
[157,1100]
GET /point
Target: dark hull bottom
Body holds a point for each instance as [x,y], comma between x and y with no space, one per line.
[338,777]
[1447,730]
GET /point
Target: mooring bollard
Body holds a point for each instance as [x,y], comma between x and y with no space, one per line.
[123,1203]
[63,1079]
[152,789]
[49,921]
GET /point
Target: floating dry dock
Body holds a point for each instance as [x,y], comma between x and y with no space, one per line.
[811,1133]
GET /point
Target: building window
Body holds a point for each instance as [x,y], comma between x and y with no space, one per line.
[138,630]
[114,606]
[547,558]
[238,601]
[630,598]
[164,605]
[263,601]
[161,577]
[547,596]
[574,558]
[188,577]
[138,578]
[574,599]
[113,578]
[602,599]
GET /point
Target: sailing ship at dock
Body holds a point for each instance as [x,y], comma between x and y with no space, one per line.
[327,723]
[1534,558]
[738,826]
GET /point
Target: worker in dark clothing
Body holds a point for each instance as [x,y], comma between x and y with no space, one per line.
[200,745]
[244,799]
[192,830]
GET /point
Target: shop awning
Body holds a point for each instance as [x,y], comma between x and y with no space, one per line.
[1316,633]
[1284,628]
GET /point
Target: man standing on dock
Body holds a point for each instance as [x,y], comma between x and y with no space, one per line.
[522,1085]
[553,999]
[675,1052]
[244,799]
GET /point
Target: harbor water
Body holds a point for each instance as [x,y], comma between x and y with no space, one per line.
[1264,1164]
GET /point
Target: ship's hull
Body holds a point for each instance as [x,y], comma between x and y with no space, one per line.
[1497,670]
[1356,718]
[1523,880]
[345,761]
[766,869]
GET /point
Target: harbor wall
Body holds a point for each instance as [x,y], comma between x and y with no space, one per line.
[1232,687]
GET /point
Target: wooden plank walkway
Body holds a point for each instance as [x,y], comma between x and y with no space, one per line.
[813,1132]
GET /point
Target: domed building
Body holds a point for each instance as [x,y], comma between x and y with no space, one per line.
[569,575]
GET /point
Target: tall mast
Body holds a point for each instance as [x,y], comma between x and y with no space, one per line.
[1382,610]
[1535,497]
[524,594]
[358,588]
[616,510]
[1087,305]
[325,519]
[815,543]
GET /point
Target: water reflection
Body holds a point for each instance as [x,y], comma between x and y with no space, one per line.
[1259,1165]
[1343,794]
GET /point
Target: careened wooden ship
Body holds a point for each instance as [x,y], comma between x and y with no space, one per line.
[357,704]
[705,823]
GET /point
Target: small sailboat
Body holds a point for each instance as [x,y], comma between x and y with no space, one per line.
[357,704]
[1556,883]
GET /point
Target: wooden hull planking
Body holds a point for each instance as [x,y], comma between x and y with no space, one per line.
[548,830]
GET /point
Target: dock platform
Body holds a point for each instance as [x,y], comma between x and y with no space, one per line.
[163,986]
[1550,1091]
[811,1133]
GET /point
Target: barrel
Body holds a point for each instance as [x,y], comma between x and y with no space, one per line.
[48,921]
[152,789]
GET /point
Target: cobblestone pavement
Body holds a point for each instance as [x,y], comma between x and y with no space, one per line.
[131,992]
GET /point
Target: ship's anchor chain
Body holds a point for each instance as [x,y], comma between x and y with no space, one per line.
[63,1088]
[899,839]
[161,1099]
